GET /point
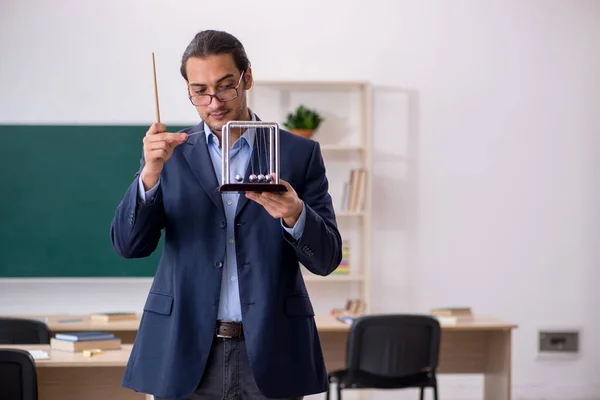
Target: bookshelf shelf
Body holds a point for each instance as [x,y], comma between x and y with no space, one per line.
[345,140]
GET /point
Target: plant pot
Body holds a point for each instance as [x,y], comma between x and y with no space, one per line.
[307,133]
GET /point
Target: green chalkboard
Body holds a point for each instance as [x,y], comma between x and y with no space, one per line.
[60,187]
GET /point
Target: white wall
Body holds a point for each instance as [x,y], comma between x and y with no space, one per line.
[496,207]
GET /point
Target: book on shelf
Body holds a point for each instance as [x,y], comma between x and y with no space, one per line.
[113,316]
[355,307]
[353,194]
[344,267]
[80,341]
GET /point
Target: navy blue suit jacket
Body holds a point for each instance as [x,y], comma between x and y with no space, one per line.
[178,322]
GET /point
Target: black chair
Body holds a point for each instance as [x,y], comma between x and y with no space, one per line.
[18,378]
[390,352]
[23,331]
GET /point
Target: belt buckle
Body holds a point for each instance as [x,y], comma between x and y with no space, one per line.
[222,336]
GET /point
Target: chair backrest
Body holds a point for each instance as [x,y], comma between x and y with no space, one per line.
[23,331]
[393,345]
[18,378]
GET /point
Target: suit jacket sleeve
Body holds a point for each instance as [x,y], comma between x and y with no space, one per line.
[319,248]
[137,224]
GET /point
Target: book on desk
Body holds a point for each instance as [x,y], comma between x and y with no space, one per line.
[81,341]
[113,316]
[452,315]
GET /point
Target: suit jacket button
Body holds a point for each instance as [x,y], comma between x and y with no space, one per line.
[223,224]
[219,264]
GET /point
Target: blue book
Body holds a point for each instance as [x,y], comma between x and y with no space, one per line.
[84,336]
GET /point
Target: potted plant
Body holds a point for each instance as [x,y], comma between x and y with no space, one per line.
[303,121]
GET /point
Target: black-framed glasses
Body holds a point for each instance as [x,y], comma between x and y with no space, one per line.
[222,95]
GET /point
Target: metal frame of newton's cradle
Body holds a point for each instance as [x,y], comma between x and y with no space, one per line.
[268,184]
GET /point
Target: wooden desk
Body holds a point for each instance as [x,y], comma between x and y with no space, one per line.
[482,346]
[125,330]
[71,376]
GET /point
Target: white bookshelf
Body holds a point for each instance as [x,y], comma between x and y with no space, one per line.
[345,140]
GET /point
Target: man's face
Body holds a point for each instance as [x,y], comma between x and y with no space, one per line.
[218,74]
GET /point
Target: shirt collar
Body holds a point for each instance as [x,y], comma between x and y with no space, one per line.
[248,135]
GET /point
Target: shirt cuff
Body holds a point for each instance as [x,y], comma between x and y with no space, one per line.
[150,194]
[298,229]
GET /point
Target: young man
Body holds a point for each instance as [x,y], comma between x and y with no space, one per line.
[228,314]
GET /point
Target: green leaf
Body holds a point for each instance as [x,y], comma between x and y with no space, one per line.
[303,118]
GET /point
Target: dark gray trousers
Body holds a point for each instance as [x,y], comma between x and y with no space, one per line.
[228,375]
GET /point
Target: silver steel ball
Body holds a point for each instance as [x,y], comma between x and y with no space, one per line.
[261,178]
[239,178]
[253,178]
[268,178]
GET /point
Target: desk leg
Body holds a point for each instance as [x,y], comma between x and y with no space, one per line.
[497,381]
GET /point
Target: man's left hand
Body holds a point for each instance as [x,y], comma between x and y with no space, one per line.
[286,205]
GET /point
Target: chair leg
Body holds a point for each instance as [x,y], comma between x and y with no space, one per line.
[421,393]
[339,391]
[435,392]
[327,394]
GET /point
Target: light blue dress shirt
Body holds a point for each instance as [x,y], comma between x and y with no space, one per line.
[229,302]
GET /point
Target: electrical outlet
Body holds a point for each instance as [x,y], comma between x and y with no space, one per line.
[559,341]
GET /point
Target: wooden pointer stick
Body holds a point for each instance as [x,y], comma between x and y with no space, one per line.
[155,90]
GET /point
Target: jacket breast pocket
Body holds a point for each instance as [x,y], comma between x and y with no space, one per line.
[159,303]
[299,306]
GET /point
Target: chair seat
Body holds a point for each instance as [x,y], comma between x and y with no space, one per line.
[362,379]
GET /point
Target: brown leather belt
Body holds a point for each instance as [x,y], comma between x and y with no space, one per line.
[230,330]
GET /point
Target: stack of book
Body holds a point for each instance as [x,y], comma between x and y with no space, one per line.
[344,267]
[113,316]
[353,194]
[80,341]
[353,310]
[452,315]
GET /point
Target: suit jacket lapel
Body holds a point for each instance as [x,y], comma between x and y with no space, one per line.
[197,156]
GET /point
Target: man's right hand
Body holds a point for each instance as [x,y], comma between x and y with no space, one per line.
[158,148]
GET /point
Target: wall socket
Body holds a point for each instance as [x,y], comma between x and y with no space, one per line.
[559,341]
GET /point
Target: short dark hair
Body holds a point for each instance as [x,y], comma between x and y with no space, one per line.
[211,42]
